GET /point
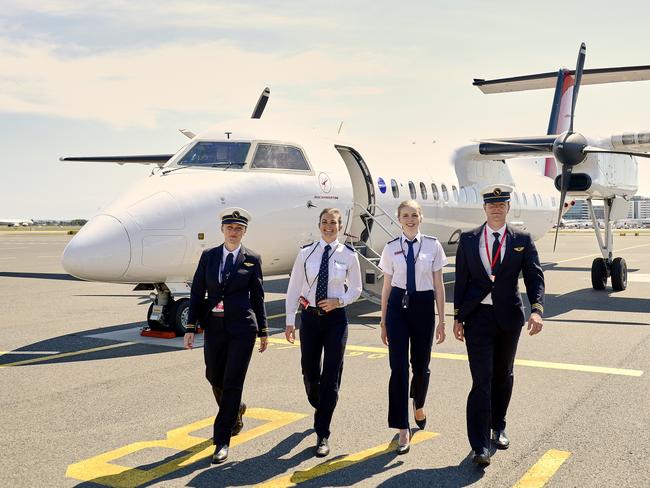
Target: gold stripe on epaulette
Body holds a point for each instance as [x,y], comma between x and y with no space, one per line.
[538,307]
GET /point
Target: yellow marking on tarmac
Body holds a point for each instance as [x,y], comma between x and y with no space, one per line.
[543,470]
[592,255]
[520,362]
[341,463]
[100,470]
[66,354]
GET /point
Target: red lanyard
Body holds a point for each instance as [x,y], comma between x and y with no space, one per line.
[492,261]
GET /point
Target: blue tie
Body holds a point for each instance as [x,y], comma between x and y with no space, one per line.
[323,275]
[410,268]
[227,268]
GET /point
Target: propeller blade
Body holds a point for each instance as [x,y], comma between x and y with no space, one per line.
[576,85]
[598,150]
[516,145]
[564,185]
[261,104]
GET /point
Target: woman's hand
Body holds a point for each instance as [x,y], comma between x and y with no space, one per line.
[328,304]
[188,340]
[290,333]
[384,334]
[440,333]
[264,343]
[459,331]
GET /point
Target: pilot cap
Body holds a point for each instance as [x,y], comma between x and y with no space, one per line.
[235,215]
[496,193]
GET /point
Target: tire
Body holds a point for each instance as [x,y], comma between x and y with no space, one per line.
[619,274]
[178,316]
[599,274]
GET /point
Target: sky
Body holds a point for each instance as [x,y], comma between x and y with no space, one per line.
[121,77]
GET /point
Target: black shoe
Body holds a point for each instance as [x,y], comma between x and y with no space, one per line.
[420,423]
[322,447]
[482,457]
[500,439]
[220,454]
[239,424]
[403,449]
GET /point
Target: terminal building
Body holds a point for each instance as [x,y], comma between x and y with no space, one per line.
[639,208]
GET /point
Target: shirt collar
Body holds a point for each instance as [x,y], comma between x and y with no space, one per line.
[234,253]
[492,231]
[418,237]
[333,245]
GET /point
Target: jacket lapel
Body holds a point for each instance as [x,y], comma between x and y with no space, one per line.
[509,244]
[477,252]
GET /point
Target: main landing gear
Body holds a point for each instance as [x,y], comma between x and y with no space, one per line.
[167,313]
[607,266]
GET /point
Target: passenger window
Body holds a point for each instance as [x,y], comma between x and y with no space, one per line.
[455,192]
[445,193]
[395,188]
[524,200]
[279,156]
[516,197]
[434,191]
[414,195]
[423,190]
[463,195]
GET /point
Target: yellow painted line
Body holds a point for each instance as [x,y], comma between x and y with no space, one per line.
[66,354]
[543,470]
[593,255]
[520,362]
[343,462]
[101,470]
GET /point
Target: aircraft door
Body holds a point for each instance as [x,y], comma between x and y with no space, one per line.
[357,225]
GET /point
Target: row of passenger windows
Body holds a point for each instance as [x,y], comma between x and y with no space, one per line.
[465,195]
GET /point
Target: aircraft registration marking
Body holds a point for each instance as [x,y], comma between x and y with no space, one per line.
[543,470]
[341,463]
[463,357]
[102,470]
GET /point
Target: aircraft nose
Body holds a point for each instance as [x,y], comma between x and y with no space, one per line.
[101,251]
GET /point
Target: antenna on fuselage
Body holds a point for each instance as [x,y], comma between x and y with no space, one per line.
[261,104]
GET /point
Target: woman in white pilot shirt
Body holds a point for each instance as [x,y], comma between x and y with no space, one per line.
[317,288]
[412,266]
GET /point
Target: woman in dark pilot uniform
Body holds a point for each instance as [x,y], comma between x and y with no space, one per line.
[317,284]
[232,315]
[412,265]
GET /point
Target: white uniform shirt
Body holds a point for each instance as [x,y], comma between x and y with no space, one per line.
[343,267]
[224,256]
[484,256]
[429,257]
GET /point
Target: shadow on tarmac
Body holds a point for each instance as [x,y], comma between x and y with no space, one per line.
[39,276]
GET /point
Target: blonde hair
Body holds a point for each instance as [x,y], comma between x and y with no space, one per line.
[409,203]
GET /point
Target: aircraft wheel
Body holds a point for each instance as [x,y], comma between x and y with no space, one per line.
[619,274]
[153,324]
[178,317]
[598,274]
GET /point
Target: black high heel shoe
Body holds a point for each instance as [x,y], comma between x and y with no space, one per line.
[420,423]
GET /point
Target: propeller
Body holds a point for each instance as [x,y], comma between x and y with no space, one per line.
[569,148]
[261,104]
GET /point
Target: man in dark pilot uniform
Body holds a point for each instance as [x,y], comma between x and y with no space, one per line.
[489,314]
[232,315]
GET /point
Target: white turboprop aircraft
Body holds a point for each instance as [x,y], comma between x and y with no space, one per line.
[153,235]
[16,222]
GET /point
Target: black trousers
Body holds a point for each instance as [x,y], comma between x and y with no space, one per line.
[322,345]
[412,325]
[491,353]
[227,356]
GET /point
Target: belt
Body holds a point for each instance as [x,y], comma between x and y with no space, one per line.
[316,311]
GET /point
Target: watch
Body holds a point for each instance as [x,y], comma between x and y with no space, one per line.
[340,301]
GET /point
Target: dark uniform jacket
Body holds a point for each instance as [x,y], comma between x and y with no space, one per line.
[242,293]
[473,283]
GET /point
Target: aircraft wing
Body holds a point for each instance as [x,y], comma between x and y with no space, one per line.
[159,159]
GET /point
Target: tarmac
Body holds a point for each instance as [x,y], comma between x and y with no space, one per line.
[89,402]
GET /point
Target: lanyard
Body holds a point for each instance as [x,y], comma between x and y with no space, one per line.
[494,258]
[334,248]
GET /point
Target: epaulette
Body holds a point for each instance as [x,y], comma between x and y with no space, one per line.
[306,245]
[350,247]
[393,240]
[430,237]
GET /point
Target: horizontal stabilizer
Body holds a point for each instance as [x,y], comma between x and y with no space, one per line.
[159,159]
[548,80]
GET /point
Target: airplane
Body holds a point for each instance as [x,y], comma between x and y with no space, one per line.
[153,235]
[16,222]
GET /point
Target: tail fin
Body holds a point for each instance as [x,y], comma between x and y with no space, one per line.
[560,113]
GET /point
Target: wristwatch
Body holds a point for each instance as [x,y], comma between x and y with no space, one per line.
[340,300]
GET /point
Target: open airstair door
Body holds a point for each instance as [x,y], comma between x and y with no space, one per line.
[358,225]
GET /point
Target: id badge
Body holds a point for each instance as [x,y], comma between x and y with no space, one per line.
[303,302]
[405,300]
[218,309]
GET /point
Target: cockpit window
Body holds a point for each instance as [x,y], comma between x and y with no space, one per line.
[279,156]
[217,154]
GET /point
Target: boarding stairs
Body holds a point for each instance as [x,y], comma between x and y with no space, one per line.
[374,218]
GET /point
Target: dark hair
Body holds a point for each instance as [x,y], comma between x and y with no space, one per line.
[332,210]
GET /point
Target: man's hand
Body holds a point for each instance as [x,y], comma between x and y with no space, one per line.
[535,323]
[290,333]
[384,334]
[328,304]
[459,331]
[188,340]
[264,343]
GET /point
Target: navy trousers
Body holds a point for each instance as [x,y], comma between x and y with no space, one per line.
[227,357]
[322,345]
[491,353]
[412,325]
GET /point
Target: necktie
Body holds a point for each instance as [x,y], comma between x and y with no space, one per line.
[410,268]
[227,268]
[323,275]
[495,249]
